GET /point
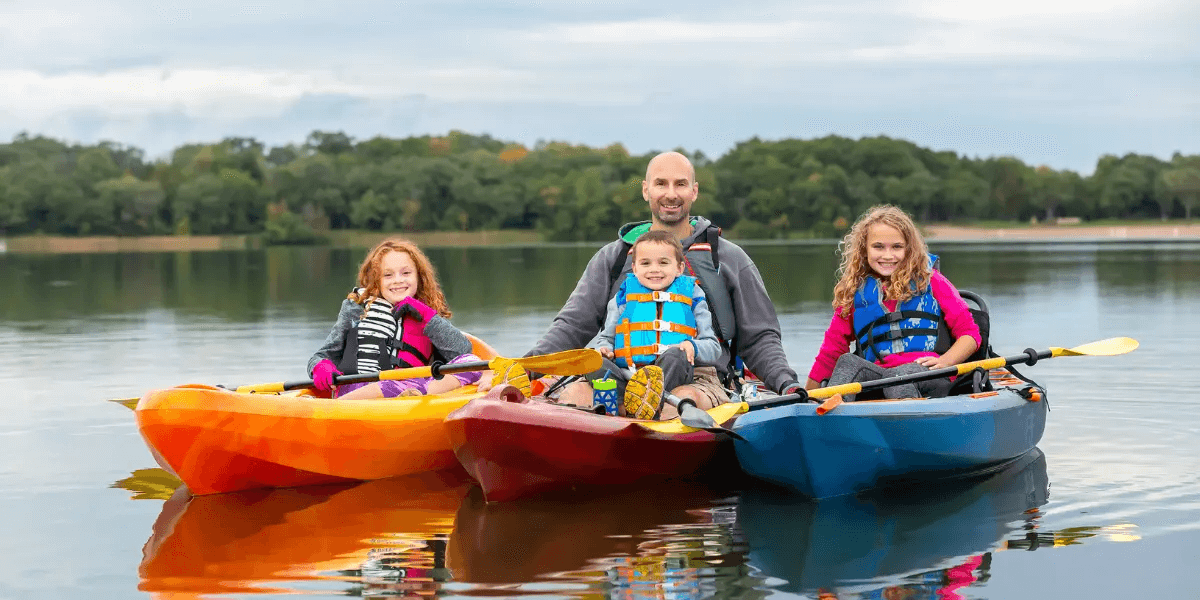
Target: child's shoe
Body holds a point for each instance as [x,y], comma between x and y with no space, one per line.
[644,393]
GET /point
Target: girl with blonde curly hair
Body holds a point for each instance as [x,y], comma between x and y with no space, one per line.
[902,314]
[395,317]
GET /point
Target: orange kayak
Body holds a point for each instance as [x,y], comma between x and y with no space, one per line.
[216,440]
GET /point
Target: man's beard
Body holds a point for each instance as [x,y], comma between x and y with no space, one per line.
[677,216]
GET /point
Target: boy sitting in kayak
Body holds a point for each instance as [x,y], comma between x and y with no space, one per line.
[657,323]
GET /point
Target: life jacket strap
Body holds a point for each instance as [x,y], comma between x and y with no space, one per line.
[404,346]
[897,316]
[660,296]
[891,335]
[651,350]
[656,325]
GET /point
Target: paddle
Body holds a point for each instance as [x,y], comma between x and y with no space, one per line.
[1109,347]
[692,416]
[568,362]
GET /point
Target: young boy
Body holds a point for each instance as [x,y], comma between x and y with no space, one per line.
[659,324]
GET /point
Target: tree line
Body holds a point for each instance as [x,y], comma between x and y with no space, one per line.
[462,182]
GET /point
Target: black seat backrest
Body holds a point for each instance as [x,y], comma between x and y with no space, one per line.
[977,381]
[982,319]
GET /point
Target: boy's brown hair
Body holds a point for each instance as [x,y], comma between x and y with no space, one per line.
[658,236]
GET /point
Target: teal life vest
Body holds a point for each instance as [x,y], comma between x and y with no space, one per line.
[651,321]
[913,327]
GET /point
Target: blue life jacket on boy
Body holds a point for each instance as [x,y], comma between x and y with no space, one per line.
[652,321]
[912,327]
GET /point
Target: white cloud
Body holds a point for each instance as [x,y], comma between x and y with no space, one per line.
[660,31]
[994,10]
[159,73]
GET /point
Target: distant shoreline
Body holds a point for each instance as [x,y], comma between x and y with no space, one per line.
[49,244]
[1156,232]
[44,244]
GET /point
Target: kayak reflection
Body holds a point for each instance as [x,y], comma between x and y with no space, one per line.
[852,540]
[528,539]
[254,541]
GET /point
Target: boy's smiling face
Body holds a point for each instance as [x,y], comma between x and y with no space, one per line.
[655,265]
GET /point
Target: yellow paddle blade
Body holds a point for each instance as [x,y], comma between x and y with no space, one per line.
[567,362]
[130,403]
[719,414]
[1109,347]
[506,371]
[149,484]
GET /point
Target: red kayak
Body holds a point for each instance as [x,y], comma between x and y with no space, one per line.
[516,448]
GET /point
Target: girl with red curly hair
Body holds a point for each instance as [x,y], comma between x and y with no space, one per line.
[395,317]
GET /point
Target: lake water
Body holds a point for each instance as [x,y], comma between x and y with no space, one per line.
[1109,508]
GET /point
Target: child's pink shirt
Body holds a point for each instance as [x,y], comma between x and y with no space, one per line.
[841,330]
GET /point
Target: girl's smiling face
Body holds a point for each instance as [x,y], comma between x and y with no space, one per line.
[886,249]
[397,277]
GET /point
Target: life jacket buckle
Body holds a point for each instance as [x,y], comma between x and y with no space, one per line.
[660,325]
[660,296]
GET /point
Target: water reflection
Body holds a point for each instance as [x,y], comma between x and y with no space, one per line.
[433,534]
[666,536]
[150,484]
[272,540]
[244,286]
[895,542]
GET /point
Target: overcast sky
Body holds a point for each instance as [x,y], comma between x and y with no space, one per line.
[1055,82]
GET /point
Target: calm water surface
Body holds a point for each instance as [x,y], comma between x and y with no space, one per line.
[1109,507]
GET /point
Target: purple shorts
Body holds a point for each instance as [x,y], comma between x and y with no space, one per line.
[394,387]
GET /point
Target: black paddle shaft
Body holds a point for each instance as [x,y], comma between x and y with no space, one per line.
[1030,357]
[437,369]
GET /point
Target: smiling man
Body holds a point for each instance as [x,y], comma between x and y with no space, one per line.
[742,313]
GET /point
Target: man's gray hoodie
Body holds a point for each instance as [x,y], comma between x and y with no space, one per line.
[759,341]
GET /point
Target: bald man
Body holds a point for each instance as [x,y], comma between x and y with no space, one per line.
[743,315]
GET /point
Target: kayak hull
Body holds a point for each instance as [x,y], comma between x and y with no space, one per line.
[521,449]
[216,440]
[863,445]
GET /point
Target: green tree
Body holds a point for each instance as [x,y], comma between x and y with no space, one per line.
[137,206]
[1050,189]
[1009,179]
[913,193]
[228,202]
[1183,184]
[963,194]
[1128,187]
[329,142]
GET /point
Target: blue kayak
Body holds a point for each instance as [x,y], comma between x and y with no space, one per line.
[858,446]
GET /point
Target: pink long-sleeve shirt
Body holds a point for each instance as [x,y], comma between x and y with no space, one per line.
[841,330]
